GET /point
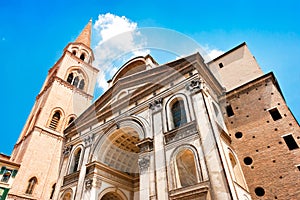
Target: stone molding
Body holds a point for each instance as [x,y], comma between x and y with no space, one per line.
[146,145]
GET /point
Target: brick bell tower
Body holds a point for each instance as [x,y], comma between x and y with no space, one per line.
[66,93]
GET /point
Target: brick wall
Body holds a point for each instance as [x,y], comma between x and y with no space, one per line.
[273,166]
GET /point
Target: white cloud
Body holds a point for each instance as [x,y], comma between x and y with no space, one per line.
[214,53]
[118,37]
[119,40]
[211,53]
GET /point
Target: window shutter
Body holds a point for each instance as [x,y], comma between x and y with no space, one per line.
[14,173]
[2,170]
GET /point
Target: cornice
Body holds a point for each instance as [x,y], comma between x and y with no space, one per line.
[162,78]
[156,78]
[82,62]
[64,83]
[269,77]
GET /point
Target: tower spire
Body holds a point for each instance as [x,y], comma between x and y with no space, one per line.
[85,35]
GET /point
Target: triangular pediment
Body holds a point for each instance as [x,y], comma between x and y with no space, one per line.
[135,88]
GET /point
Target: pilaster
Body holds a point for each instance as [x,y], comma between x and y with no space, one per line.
[159,150]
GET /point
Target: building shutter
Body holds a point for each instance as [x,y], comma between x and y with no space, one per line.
[2,170]
[14,173]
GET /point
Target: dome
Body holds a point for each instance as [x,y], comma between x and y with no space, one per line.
[133,66]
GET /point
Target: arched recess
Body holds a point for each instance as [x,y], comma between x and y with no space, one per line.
[70,119]
[75,161]
[67,195]
[185,169]
[80,75]
[177,111]
[31,185]
[112,193]
[236,169]
[117,147]
[56,118]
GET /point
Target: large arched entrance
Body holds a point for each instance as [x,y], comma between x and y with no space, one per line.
[115,160]
[111,196]
[120,151]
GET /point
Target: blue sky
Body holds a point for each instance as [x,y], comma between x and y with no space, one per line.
[34,33]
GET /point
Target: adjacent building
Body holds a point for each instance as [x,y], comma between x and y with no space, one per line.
[8,172]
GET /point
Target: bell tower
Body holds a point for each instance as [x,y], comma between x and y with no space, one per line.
[66,93]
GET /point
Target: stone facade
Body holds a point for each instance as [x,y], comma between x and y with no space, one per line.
[131,146]
[181,130]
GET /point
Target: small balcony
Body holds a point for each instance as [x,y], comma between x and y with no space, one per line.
[198,191]
[71,178]
[181,132]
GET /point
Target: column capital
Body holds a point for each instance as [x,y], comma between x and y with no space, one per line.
[196,86]
[156,105]
[67,150]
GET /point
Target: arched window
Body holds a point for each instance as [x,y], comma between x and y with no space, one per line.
[31,184]
[82,56]
[186,168]
[178,113]
[238,175]
[67,196]
[81,84]
[71,120]
[53,190]
[76,80]
[74,52]
[76,160]
[70,78]
[55,120]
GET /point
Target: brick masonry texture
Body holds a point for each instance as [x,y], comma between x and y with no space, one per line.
[274,165]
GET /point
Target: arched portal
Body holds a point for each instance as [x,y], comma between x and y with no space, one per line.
[111,196]
[120,150]
[116,156]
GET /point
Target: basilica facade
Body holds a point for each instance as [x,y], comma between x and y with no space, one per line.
[182,130]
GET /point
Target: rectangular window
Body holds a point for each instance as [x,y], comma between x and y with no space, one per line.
[275,114]
[229,111]
[221,65]
[290,142]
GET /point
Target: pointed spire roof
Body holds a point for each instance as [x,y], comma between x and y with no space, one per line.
[85,35]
